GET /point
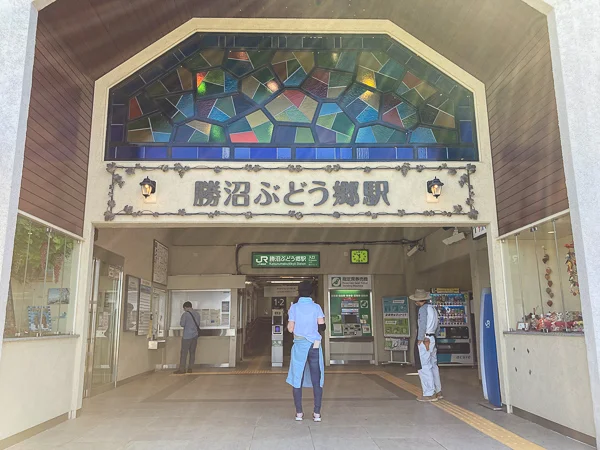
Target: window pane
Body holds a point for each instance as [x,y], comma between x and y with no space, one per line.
[541,278]
[358,92]
[43,278]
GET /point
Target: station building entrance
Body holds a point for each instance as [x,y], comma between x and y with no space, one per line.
[243,282]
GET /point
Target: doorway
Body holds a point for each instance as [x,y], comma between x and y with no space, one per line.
[104,321]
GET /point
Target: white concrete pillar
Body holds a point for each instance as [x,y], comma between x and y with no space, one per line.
[17,47]
[574,27]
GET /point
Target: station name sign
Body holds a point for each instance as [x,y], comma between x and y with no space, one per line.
[310,260]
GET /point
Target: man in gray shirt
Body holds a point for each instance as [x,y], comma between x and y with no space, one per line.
[190,321]
[427,331]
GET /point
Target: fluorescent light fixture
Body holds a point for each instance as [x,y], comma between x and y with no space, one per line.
[550,232]
[248,282]
[412,251]
[456,237]
[285,282]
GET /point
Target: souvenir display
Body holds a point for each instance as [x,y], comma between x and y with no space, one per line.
[571,263]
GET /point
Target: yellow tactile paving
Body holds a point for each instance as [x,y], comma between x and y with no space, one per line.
[481,424]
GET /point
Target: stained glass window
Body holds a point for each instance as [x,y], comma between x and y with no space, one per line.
[263,97]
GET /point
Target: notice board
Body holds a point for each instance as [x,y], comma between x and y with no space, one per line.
[395,317]
[350,313]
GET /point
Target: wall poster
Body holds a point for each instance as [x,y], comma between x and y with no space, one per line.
[395,317]
[144,308]
[160,263]
[131,306]
[350,313]
[159,305]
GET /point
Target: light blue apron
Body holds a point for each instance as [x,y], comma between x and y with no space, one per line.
[299,366]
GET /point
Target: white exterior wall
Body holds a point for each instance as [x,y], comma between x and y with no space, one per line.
[17,47]
[35,382]
[547,379]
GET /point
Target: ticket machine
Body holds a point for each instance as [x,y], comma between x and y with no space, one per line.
[277,338]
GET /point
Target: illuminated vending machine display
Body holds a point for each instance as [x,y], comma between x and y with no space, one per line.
[455,339]
[277,338]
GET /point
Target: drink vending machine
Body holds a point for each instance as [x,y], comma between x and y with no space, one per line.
[455,339]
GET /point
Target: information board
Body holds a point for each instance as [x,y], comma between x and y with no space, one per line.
[350,313]
[160,263]
[288,260]
[396,317]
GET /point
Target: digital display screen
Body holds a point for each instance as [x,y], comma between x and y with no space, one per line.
[277,320]
[350,318]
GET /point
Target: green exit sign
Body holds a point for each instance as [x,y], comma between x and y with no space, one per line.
[287,260]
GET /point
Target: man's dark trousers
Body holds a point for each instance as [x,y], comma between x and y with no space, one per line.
[188,345]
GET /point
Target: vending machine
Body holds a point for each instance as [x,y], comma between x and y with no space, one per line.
[455,339]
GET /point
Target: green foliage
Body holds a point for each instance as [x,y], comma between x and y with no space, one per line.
[29,254]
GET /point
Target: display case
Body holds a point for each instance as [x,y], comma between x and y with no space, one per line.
[214,307]
[455,338]
[540,269]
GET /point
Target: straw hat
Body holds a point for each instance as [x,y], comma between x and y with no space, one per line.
[420,295]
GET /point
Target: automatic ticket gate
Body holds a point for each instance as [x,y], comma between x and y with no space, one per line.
[277,338]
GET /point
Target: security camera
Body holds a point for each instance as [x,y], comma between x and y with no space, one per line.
[456,237]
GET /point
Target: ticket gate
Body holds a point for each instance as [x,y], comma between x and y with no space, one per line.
[277,338]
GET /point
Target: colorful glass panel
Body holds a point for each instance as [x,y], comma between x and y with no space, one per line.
[378,71]
[254,128]
[292,105]
[327,83]
[214,82]
[154,128]
[295,135]
[241,63]
[361,103]
[293,67]
[290,97]
[398,112]
[260,85]
[223,108]
[345,61]
[198,132]
[333,125]
[379,134]
[414,89]
[205,59]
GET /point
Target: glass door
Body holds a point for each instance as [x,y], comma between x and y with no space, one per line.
[103,338]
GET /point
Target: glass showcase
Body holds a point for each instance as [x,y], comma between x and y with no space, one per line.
[265,97]
[42,283]
[541,279]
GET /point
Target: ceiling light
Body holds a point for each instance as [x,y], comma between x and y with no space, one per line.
[412,251]
[285,282]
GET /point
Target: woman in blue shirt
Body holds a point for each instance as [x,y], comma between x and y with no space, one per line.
[306,319]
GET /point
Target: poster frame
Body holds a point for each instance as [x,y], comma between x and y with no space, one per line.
[129,278]
[162,277]
[148,285]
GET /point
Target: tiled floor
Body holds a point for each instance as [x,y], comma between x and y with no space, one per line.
[255,411]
